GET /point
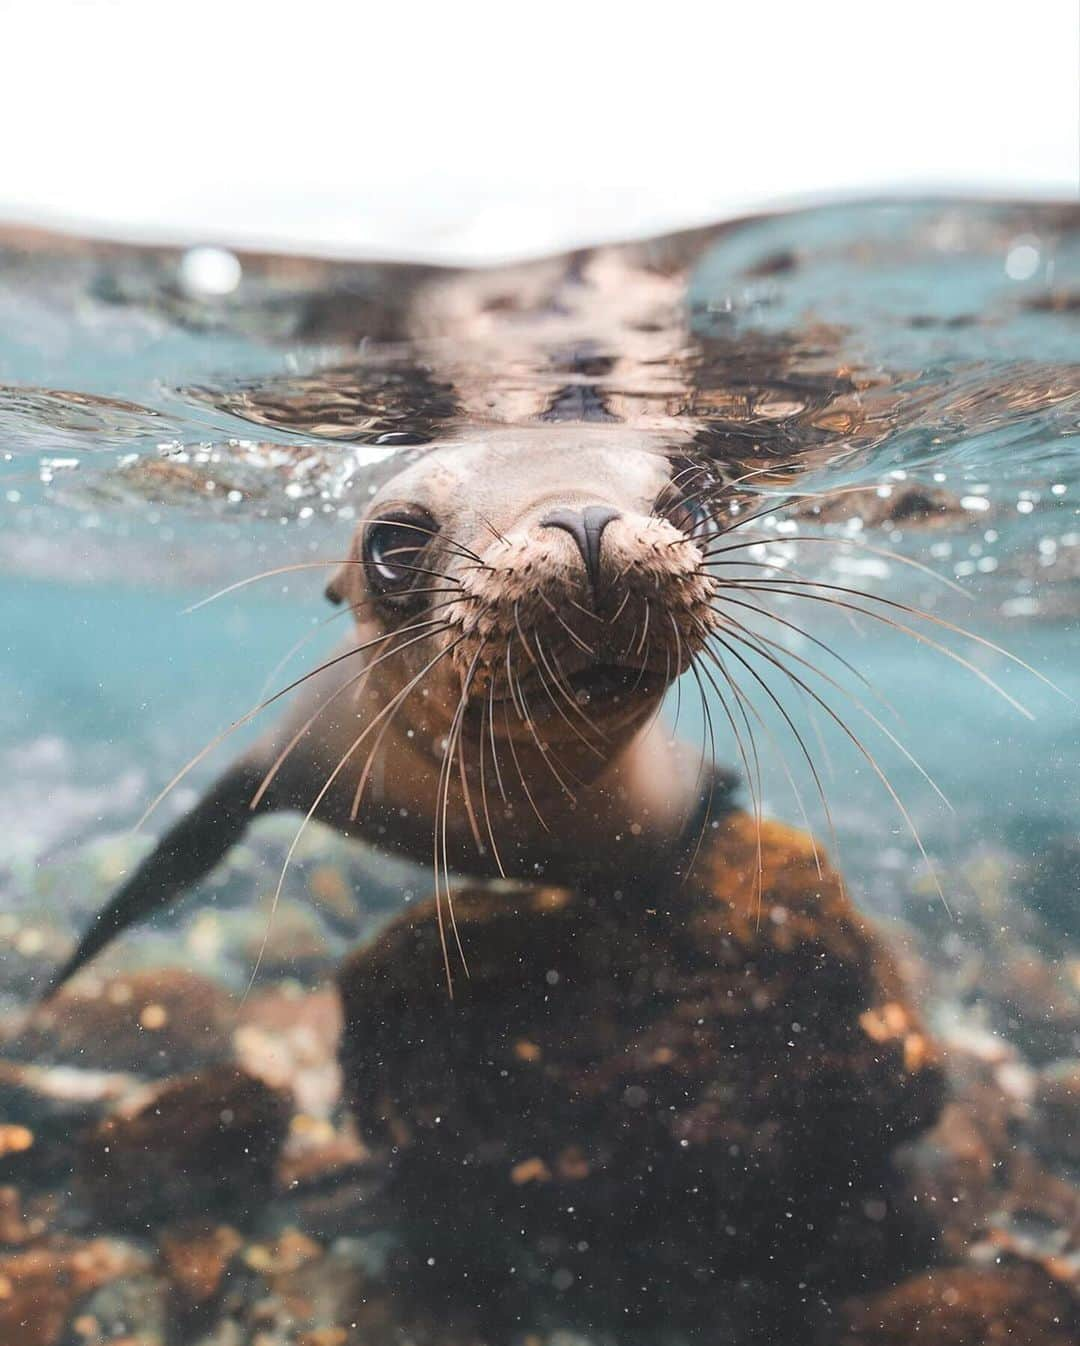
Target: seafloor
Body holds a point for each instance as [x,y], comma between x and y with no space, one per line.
[667,1119]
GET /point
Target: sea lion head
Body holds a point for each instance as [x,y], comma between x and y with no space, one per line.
[561,571]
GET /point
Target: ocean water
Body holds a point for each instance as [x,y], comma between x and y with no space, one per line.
[964,323]
[171,423]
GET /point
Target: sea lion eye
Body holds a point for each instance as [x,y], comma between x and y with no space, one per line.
[392,549]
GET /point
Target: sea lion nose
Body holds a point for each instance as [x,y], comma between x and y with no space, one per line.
[587,529]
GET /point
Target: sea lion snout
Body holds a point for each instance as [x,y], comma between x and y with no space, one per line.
[581,595]
[586,527]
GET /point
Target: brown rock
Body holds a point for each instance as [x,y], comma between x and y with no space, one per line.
[964,1306]
[316,1151]
[197,1146]
[194,1260]
[152,1023]
[911,505]
[1034,1001]
[15,1227]
[43,1112]
[729,1082]
[41,1286]
[1058,1111]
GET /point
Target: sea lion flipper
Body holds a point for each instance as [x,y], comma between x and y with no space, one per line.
[189,849]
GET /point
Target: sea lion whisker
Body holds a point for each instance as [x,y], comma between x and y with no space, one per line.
[787,497]
[298,645]
[781,572]
[645,626]
[446,770]
[527,717]
[247,717]
[291,569]
[656,710]
[715,488]
[466,792]
[580,607]
[369,762]
[485,714]
[513,684]
[885,552]
[708,738]
[563,716]
[628,650]
[568,697]
[346,686]
[585,649]
[751,637]
[712,493]
[491,734]
[679,670]
[389,708]
[619,610]
[802,746]
[801,589]
[500,537]
[527,721]
[753,779]
[545,753]
[361,784]
[728,601]
[781,757]
[517,765]
[792,497]
[868,757]
[438,535]
[442,538]
[792,465]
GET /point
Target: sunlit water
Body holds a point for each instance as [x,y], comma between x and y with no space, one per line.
[150,456]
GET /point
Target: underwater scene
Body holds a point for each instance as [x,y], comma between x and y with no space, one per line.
[541,805]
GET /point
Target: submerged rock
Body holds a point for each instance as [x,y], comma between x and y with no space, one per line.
[644,1095]
[1034,1001]
[40,1287]
[201,1145]
[195,1260]
[43,1112]
[964,1306]
[911,505]
[1057,1128]
[156,1023]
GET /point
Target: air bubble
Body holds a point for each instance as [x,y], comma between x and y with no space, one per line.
[207,272]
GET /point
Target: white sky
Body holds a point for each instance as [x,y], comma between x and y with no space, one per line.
[480,130]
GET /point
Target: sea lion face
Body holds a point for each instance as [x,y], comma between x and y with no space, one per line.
[560,571]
